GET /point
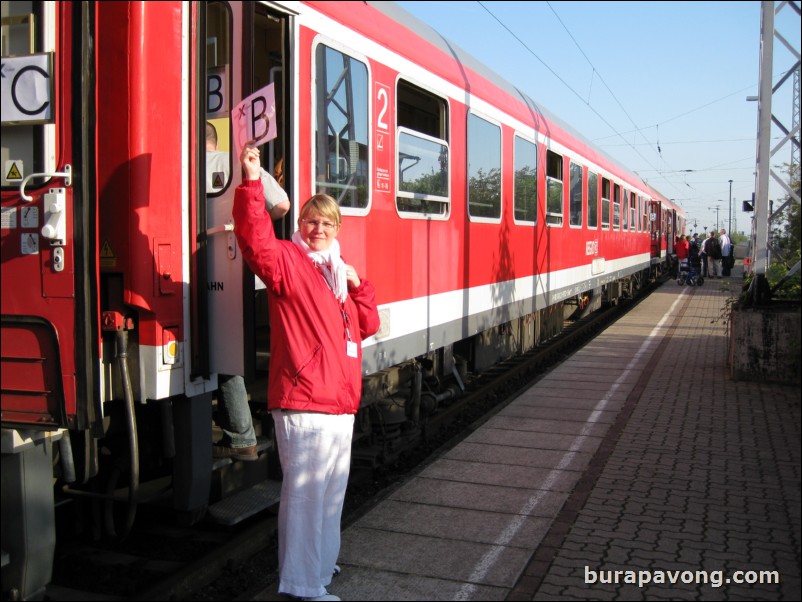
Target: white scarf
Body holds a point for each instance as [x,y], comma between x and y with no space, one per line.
[329,263]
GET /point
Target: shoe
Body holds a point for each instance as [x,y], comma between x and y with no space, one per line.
[323,598]
[249,454]
[337,570]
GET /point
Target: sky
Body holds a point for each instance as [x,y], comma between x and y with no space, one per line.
[659,86]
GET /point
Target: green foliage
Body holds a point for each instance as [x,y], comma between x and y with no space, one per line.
[787,236]
[790,288]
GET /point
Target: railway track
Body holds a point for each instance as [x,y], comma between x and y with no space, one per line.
[163,560]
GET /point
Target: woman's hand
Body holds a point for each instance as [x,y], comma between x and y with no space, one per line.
[250,162]
[352,276]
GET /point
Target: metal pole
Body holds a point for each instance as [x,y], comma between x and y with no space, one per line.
[761,228]
[729,219]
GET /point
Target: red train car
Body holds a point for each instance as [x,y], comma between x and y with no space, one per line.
[480,217]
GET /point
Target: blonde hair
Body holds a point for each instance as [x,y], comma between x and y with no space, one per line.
[324,206]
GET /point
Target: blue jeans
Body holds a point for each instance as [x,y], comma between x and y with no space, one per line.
[234,413]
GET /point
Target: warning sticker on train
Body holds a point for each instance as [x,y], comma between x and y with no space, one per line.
[13,171]
[107,257]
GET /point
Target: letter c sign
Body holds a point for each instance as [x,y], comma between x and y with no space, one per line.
[26,85]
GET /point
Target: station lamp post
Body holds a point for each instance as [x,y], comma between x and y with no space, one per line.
[729,219]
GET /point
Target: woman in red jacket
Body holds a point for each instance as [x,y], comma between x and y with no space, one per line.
[320,311]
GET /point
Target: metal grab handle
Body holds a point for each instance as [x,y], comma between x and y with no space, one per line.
[218,229]
[66,174]
[229,227]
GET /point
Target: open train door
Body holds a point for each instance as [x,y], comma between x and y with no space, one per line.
[49,270]
[655,220]
[247,49]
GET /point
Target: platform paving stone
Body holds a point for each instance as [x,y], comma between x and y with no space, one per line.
[705,477]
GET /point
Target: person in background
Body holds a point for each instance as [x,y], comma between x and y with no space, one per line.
[702,254]
[233,413]
[218,169]
[681,248]
[320,312]
[713,251]
[693,255]
[726,252]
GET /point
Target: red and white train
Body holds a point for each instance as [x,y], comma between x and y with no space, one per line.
[478,215]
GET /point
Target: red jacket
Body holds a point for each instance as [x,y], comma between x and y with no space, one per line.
[309,367]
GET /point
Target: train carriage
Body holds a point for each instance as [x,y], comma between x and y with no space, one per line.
[481,218]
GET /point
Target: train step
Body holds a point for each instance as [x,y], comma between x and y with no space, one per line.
[230,476]
[246,503]
[262,444]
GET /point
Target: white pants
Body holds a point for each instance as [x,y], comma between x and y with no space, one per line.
[315,453]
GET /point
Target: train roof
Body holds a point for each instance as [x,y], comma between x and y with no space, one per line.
[431,35]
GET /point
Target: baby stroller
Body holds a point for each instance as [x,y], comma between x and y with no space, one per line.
[690,272]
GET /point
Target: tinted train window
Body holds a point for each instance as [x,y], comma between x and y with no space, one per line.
[575,200]
[624,210]
[593,200]
[554,189]
[525,182]
[341,128]
[422,183]
[605,203]
[484,168]
[616,207]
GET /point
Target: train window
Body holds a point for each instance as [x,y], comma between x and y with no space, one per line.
[423,155]
[422,111]
[633,211]
[525,182]
[605,203]
[342,164]
[554,189]
[218,74]
[422,174]
[593,200]
[484,168]
[616,207]
[624,209]
[28,130]
[645,214]
[575,200]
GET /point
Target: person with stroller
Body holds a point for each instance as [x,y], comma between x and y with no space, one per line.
[693,256]
[681,248]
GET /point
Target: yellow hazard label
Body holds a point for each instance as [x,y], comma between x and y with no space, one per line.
[218,179]
[107,257]
[13,171]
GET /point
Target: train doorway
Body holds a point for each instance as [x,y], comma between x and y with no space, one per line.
[247,48]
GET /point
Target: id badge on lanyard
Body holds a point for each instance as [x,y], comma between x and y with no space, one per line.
[351,349]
